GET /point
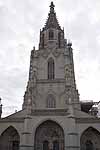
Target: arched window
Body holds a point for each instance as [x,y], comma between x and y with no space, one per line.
[51,35]
[51,68]
[45,145]
[89,145]
[51,103]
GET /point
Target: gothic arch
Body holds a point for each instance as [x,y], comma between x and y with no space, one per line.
[51,68]
[10,139]
[90,139]
[49,134]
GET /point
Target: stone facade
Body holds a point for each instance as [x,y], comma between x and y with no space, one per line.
[51,116]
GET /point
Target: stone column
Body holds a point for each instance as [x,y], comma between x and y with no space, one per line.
[72,135]
[26,135]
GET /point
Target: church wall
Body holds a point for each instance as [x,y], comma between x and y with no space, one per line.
[44,86]
[56,90]
[68,125]
[43,66]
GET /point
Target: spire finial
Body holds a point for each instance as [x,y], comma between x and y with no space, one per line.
[52,7]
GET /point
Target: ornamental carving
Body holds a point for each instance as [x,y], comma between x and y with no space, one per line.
[49,132]
[45,53]
[56,53]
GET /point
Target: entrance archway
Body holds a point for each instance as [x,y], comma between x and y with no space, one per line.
[9,139]
[90,139]
[49,136]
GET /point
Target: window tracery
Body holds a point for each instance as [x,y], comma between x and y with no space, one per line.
[51,68]
[51,35]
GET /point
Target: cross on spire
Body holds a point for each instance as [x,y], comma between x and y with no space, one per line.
[52,7]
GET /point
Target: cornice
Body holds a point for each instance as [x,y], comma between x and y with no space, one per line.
[60,80]
[87,120]
[50,112]
[16,120]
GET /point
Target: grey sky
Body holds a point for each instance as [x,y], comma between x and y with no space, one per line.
[20,22]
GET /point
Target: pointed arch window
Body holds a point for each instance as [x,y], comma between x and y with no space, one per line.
[51,35]
[51,103]
[51,69]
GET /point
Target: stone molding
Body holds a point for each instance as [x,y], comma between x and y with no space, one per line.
[40,81]
[50,112]
[87,120]
[18,120]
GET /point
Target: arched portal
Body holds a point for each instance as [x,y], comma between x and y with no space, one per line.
[9,139]
[49,136]
[90,139]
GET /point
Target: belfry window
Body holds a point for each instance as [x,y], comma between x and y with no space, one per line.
[51,35]
[50,102]
[51,69]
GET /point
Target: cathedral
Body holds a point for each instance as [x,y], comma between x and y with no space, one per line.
[51,117]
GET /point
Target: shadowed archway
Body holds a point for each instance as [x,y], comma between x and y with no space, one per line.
[90,139]
[49,136]
[9,139]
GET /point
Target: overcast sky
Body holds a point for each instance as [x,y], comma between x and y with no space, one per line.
[20,23]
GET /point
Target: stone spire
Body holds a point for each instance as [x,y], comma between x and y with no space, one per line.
[52,21]
[51,35]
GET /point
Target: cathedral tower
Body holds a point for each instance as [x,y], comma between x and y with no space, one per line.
[51,82]
[51,118]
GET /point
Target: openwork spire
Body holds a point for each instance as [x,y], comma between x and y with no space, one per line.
[52,21]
